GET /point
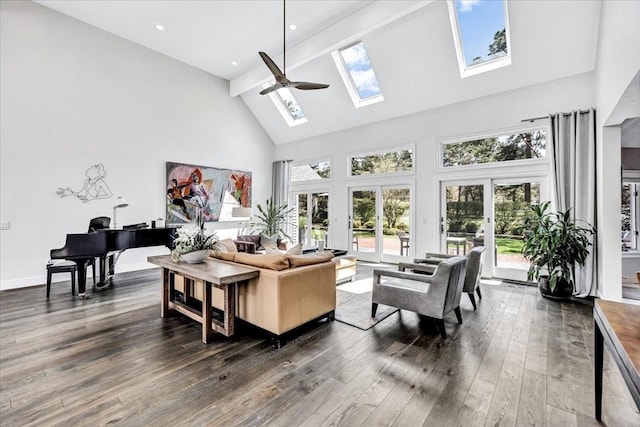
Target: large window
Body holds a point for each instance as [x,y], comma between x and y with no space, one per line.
[380,222]
[530,144]
[481,35]
[358,75]
[384,162]
[491,213]
[311,171]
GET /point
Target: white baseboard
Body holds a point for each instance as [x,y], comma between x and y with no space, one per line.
[26,282]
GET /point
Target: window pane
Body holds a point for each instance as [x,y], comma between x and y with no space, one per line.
[465,218]
[364,79]
[519,146]
[512,206]
[286,105]
[302,218]
[482,30]
[311,171]
[630,216]
[364,225]
[290,103]
[319,217]
[380,163]
[396,221]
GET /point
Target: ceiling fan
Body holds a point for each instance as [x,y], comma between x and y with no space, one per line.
[281,77]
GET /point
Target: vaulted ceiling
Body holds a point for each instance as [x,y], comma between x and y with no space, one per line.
[409,43]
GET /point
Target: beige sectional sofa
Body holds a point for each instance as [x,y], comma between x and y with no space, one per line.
[290,291]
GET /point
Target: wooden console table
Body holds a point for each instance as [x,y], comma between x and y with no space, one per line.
[213,273]
[617,325]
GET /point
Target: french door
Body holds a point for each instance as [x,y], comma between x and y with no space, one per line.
[380,222]
[310,217]
[490,213]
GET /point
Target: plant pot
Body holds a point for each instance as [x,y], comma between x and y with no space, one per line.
[562,290]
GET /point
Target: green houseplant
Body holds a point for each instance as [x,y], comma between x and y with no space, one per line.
[194,244]
[271,218]
[555,245]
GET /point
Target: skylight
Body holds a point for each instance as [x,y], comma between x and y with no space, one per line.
[481,35]
[358,75]
[287,106]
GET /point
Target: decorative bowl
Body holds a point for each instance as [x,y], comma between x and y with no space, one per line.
[195,256]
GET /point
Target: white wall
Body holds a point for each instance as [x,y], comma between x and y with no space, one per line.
[72,96]
[426,129]
[617,63]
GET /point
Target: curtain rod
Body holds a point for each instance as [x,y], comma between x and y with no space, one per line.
[533,119]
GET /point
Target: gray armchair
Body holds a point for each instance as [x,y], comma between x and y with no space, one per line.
[472,276]
[429,295]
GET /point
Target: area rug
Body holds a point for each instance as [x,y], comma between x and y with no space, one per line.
[354,305]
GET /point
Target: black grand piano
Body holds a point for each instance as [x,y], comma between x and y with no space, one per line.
[107,245]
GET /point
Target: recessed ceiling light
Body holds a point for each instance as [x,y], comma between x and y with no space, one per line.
[234,63]
[292,27]
[159,27]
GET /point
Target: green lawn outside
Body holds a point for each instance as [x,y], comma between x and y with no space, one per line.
[509,246]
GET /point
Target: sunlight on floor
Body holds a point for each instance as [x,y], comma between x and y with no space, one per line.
[361,286]
[493,282]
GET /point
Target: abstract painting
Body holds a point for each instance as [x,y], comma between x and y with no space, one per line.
[213,190]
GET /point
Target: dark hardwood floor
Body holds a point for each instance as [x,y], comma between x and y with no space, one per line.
[519,359]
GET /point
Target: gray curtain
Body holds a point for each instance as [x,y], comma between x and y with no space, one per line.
[573,142]
[280,186]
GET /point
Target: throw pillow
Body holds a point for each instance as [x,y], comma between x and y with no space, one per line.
[295,250]
[225,256]
[269,241]
[227,245]
[309,259]
[274,251]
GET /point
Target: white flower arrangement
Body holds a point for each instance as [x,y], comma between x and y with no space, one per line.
[193,239]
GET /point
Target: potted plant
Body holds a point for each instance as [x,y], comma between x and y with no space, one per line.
[193,245]
[270,219]
[555,245]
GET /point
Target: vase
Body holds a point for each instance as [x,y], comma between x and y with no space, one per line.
[195,256]
[562,291]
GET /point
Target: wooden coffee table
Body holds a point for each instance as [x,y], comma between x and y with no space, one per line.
[213,273]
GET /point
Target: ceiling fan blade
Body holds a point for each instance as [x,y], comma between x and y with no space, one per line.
[279,75]
[308,86]
[270,89]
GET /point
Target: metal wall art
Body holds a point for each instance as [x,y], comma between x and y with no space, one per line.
[95,187]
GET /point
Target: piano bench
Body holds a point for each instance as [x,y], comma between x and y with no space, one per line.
[62,267]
